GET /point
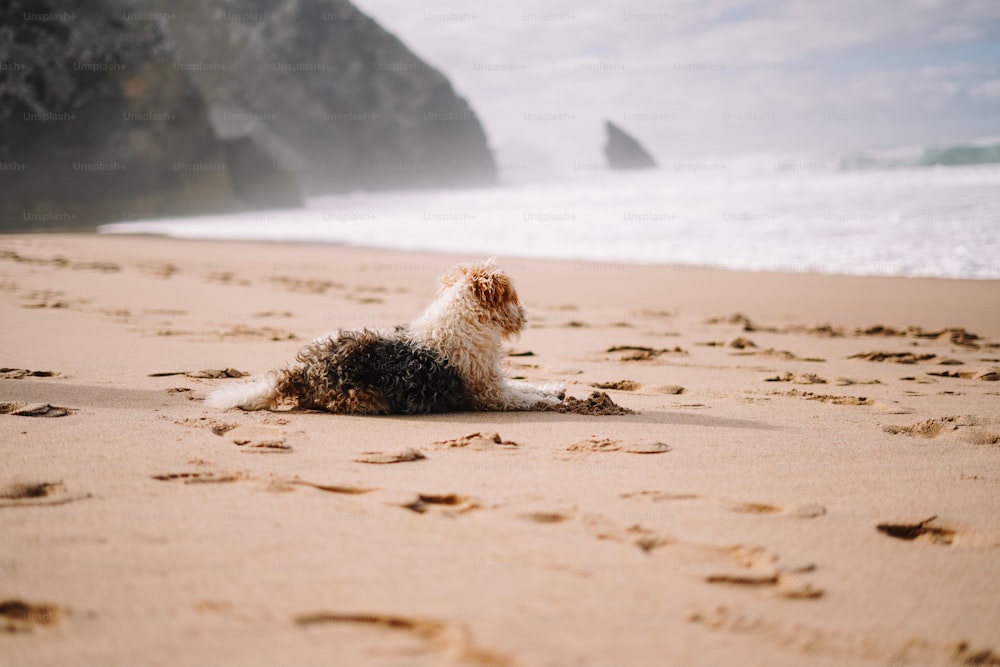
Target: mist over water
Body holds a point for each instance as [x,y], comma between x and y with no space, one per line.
[761,214]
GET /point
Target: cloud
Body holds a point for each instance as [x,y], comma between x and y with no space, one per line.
[989,90]
[711,76]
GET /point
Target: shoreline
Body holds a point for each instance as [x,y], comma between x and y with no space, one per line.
[944,302]
[783,451]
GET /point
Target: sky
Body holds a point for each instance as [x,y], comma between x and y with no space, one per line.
[696,79]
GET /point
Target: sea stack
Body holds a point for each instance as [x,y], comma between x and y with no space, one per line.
[623,152]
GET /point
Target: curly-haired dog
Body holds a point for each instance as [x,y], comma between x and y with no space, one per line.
[447,359]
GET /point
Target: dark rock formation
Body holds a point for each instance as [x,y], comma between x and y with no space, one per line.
[98,124]
[341,102]
[624,152]
[256,178]
[125,109]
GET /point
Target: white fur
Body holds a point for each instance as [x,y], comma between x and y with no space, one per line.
[255,394]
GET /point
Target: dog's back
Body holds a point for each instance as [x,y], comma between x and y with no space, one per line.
[368,372]
[356,372]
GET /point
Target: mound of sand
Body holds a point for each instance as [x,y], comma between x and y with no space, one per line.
[597,404]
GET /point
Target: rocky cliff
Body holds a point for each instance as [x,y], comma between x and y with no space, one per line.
[113,110]
[622,151]
[341,102]
[97,124]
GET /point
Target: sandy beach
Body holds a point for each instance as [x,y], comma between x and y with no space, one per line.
[811,475]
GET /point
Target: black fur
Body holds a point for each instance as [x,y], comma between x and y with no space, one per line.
[364,372]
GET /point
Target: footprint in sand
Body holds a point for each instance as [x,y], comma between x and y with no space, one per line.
[610,445]
[801,378]
[826,645]
[334,488]
[545,517]
[449,637]
[987,375]
[259,440]
[618,385]
[773,353]
[18,373]
[921,531]
[273,483]
[490,441]
[827,398]
[896,357]
[643,353]
[425,502]
[973,430]
[43,303]
[243,331]
[216,426]
[308,286]
[18,616]
[808,511]
[753,567]
[251,439]
[745,566]
[209,374]
[22,494]
[207,477]
[740,565]
[226,278]
[22,409]
[401,456]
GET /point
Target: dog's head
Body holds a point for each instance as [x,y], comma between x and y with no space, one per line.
[492,292]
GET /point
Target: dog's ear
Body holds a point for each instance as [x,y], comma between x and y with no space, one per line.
[491,286]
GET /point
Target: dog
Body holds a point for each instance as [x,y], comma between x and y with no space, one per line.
[446,360]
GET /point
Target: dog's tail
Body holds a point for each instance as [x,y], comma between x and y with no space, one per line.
[256,394]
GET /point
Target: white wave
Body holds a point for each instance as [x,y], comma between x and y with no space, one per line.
[766,214]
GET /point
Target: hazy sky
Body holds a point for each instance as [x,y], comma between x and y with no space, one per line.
[695,78]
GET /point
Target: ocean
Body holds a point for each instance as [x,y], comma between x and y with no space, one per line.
[783,214]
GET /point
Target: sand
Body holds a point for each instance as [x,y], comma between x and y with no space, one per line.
[811,474]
